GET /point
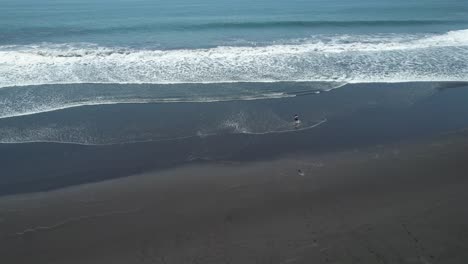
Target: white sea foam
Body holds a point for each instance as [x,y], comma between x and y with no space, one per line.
[344,58]
[335,60]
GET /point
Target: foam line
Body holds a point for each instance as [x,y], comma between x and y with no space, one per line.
[65,105]
[30,100]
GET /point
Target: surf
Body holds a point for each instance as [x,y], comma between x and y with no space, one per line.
[341,58]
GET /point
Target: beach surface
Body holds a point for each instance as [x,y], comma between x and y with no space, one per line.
[233,132]
[375,173]
[393,203]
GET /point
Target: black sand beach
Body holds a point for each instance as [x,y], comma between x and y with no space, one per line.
[233,132]
[382,178]
[401,203]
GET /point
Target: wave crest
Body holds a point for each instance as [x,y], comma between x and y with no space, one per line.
[344,58]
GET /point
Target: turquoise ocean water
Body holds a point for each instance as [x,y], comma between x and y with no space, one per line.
[154,41]
[178,24]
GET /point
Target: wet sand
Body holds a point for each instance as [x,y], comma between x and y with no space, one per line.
[179,134]
[392,203]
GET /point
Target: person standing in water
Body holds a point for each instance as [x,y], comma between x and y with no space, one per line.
[297,122]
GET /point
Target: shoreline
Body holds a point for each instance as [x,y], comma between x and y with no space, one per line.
[357,117]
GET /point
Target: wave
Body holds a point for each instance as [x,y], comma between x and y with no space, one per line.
[308,24]
[223,25]
[319,43]
[342,58]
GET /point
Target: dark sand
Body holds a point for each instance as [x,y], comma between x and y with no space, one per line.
[382,181]
[394,203]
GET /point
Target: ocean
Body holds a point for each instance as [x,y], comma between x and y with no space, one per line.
[57,55]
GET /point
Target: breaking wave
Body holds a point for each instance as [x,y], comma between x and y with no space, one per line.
[338,58]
